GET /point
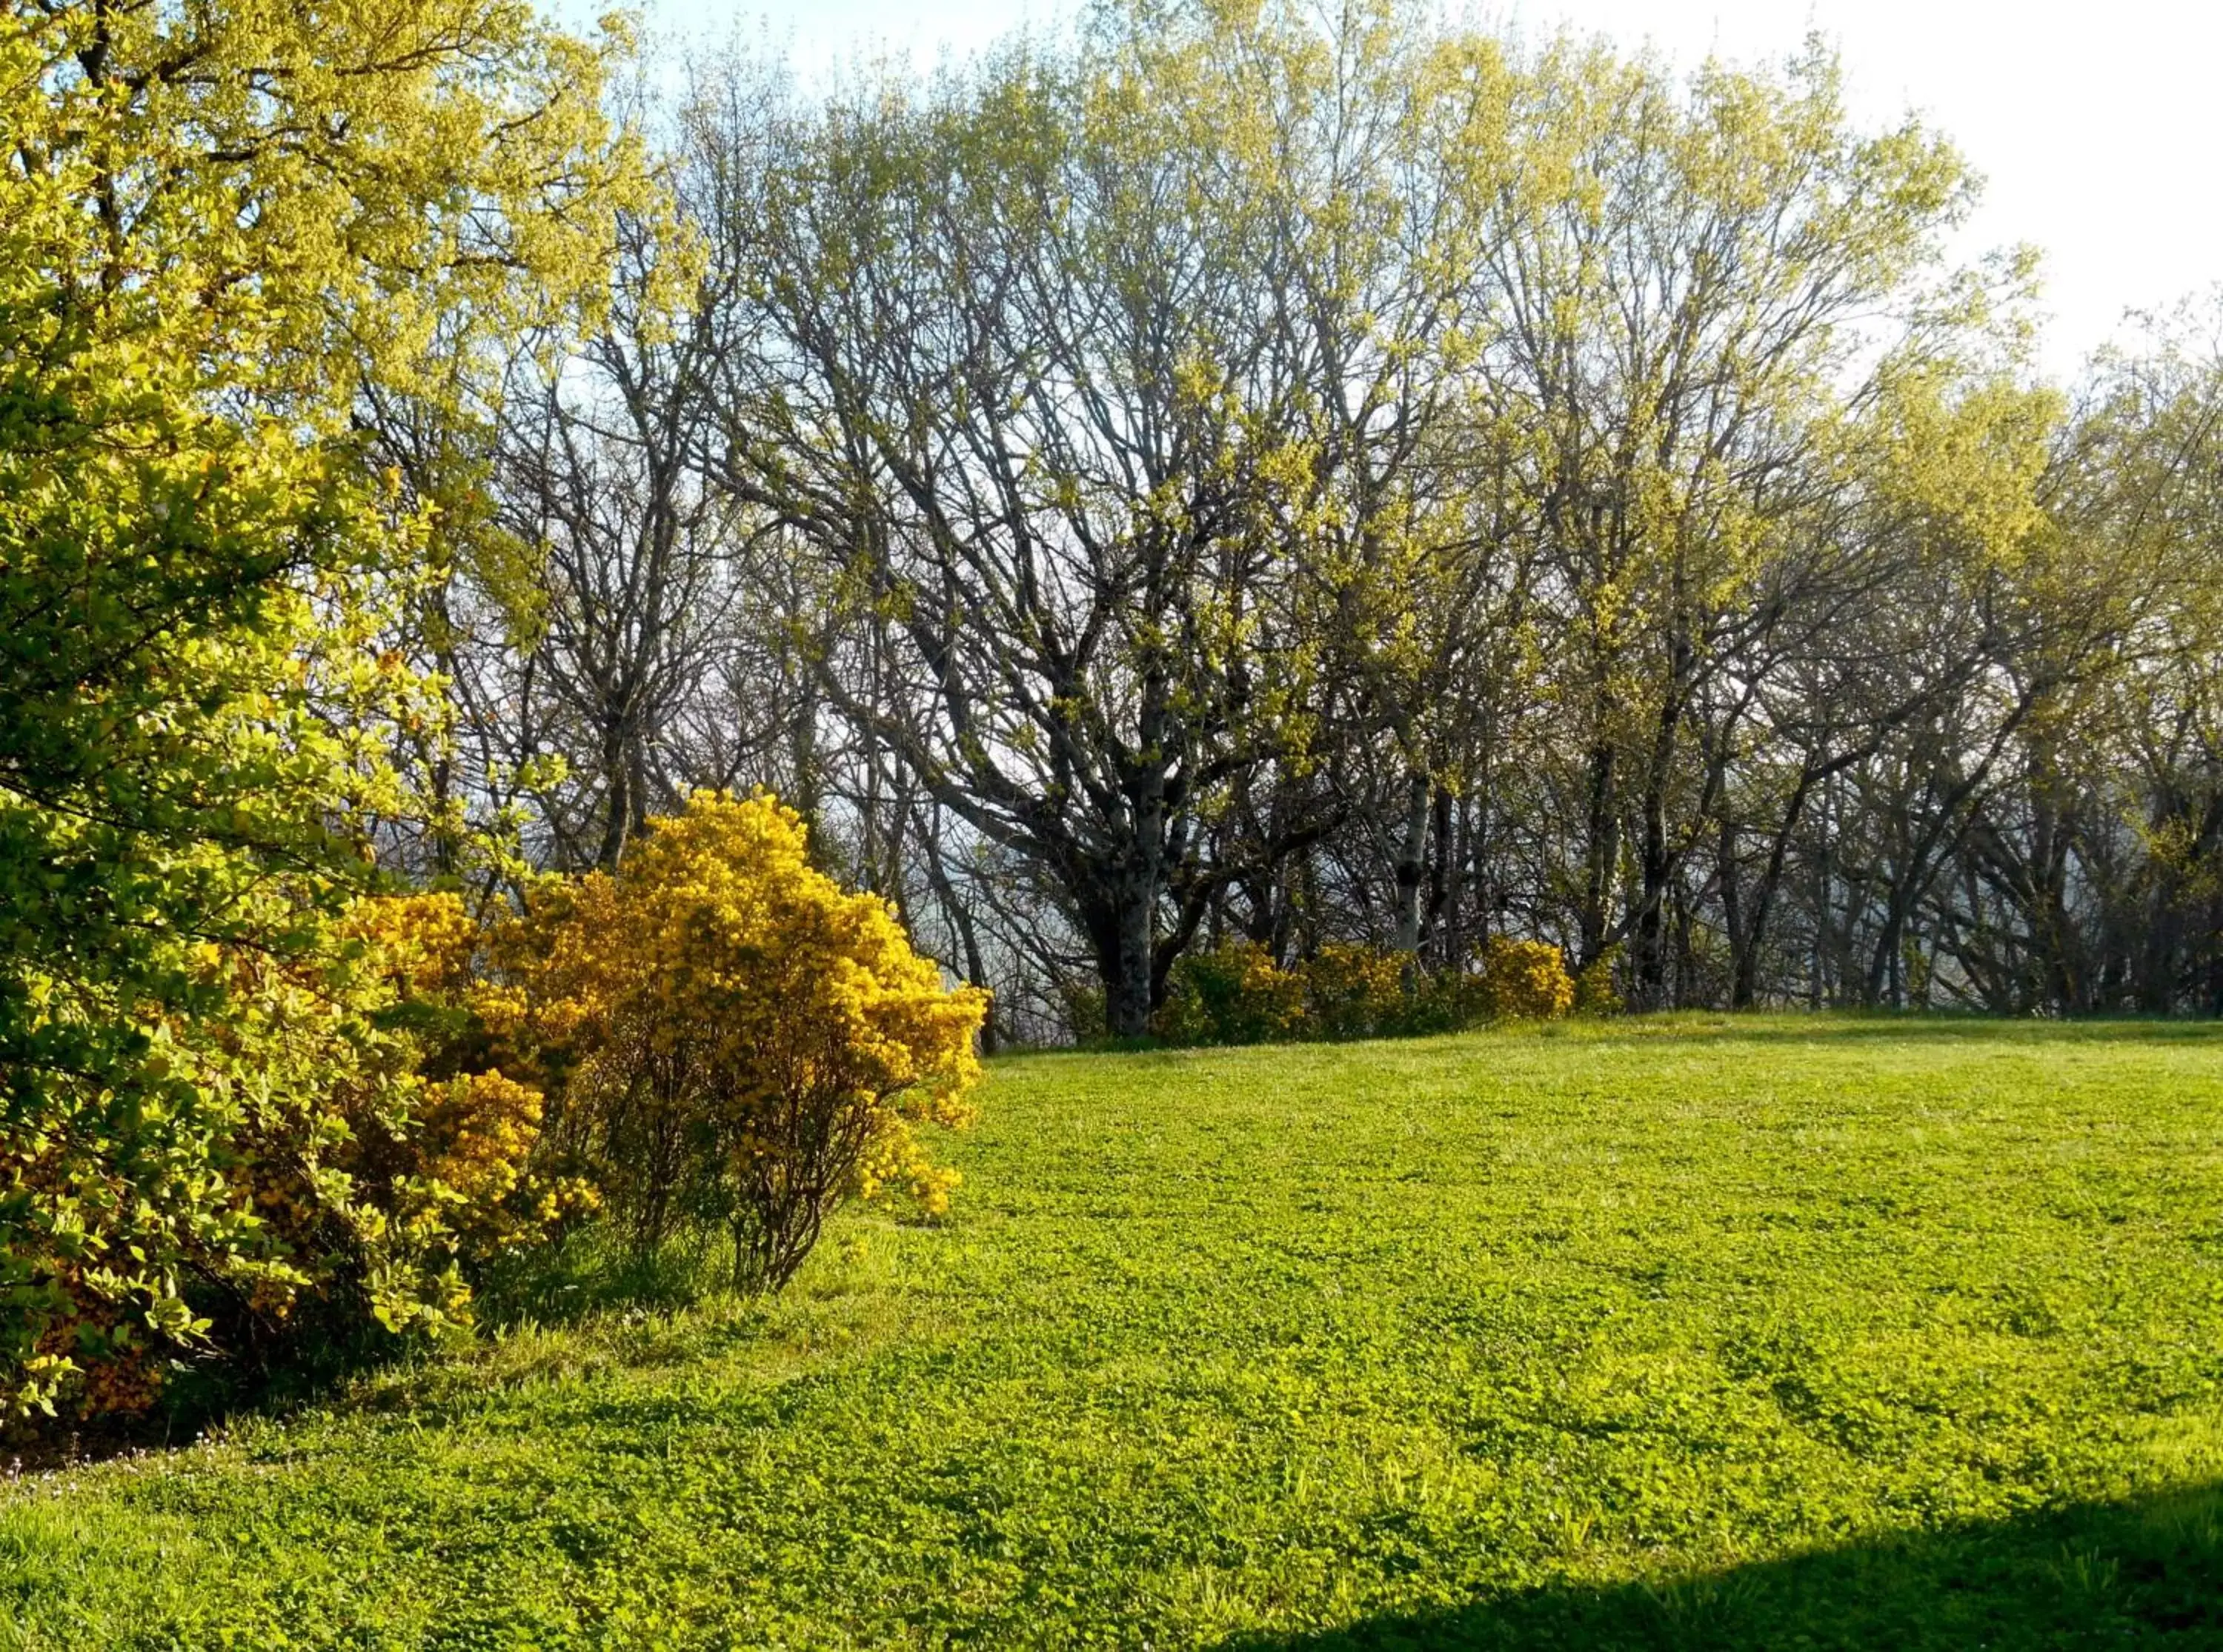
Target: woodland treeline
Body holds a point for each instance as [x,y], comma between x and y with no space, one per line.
[1237,523]
[1236,477]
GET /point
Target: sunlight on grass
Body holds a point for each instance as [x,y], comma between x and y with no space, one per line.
[1697,1331]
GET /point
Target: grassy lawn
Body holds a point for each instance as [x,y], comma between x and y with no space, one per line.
[1697,1332]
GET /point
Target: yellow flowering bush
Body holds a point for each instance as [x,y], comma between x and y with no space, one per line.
[1237,994]
[1354,992]
[1595,993]
[459,1161]
[1233,994]
[225,229]
[1526,980]
[739,1040]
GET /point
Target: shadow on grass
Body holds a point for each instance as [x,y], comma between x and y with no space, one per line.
[589,1272]
[2143,1573]
[593,1271]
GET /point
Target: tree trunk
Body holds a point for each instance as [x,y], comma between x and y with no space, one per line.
[1123,927]
[1746,937]
[1649,966]
[1602,854]
[1656,859]
[619,804]
[1124,956]
[1439,922]
[1411,867]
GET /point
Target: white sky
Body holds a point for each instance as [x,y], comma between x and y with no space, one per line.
[2092,124]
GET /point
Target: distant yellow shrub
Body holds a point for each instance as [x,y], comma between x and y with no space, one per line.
[1237,994]
[1595,993]
[1233,994]
[1526,980]
[1354,991]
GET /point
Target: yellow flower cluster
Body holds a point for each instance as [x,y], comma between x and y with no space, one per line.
[478,1132]
[895,1158]
[460,1170]
[422,944]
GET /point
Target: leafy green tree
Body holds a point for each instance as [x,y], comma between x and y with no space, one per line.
[222,228]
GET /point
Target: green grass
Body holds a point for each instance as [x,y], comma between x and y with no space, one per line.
[1696,1333]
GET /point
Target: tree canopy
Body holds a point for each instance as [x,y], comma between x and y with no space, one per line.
[222,229]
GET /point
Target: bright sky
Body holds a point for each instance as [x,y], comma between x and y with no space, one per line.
[2093,124]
